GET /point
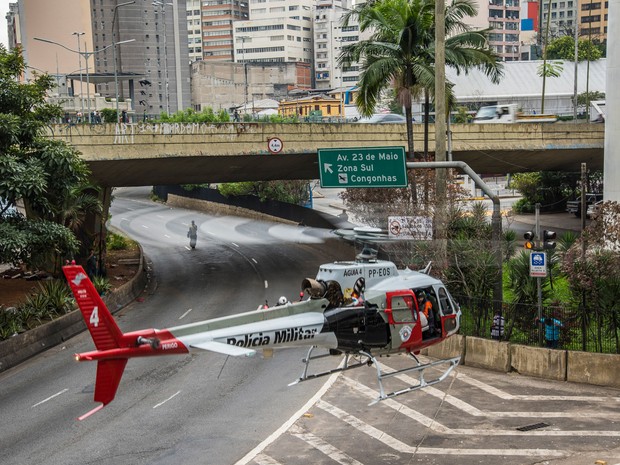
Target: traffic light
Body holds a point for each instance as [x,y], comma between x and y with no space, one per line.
[548,239]
[529,240]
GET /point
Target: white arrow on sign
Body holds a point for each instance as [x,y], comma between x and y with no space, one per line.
[327,167]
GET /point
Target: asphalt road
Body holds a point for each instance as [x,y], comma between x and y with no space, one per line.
[184,409]
[211,409]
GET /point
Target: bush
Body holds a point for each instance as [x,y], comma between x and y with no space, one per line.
[102,285]
[116,242]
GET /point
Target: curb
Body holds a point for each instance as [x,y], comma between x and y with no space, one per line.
[20,348]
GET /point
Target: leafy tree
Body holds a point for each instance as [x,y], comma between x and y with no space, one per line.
[593,271]
[40,172]
[563,48]
[549,188]
[401,51]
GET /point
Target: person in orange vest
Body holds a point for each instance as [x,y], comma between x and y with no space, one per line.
[426,307]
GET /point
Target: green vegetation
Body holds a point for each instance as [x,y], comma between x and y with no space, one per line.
[563,48]
[116,242]
[53,299]
[46,175]
[295,192]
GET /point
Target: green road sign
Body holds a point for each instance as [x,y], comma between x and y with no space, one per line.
[363,167]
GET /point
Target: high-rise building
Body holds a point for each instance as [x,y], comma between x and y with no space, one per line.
[158,52]
[218,18]
[12,25]
[504,22]
[151,65]
[592,20]
[330,35]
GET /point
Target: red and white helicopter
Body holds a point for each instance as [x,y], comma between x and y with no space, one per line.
[338,315]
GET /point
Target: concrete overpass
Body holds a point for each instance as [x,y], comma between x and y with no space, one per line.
[157,154]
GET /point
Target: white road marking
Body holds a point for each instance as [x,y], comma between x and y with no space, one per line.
[407,449]
[323,446]
[185,314]
[169,398]
[50,398]
[439,428]
[504,395]
[471,410]
[263,459]
[254,260]
[236,245]
[282,429]
[266,284]
[145,226]
[166,235]
[187,247]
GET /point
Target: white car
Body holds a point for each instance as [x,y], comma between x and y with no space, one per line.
[383,118]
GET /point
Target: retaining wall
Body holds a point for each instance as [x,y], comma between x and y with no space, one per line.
[19,348]
[557,365]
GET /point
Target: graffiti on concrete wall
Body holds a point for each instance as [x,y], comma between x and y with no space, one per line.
[125,132]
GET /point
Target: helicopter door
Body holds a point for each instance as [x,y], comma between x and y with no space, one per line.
[403,318]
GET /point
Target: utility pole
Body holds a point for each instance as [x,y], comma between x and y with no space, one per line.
[440,132]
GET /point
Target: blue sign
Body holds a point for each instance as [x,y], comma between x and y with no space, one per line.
[538,264]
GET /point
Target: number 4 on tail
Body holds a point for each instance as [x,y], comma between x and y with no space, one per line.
[94,317]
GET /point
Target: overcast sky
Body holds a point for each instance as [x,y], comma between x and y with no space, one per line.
[4,7]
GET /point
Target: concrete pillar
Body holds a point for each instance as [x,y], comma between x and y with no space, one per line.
[612,106]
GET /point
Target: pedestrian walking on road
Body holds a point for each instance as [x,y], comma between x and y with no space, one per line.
[192,234]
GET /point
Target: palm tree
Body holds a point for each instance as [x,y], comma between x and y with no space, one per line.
[401,51]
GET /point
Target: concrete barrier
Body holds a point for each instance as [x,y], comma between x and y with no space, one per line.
[489,354]
[19,348]
[452,347]
[599,369]
[538,362]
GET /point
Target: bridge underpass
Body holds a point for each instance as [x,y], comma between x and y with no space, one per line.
[156,154]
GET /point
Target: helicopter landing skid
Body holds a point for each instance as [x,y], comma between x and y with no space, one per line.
[369,360]
[419,368]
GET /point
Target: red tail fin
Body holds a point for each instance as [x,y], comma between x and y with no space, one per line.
[103,329]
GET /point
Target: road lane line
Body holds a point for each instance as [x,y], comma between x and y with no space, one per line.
[169,398]
[282,429]
[145,226]
[254,260]
[407,449]
[185,314]
[266,284]
[236,245]
[50,398]
[326,448]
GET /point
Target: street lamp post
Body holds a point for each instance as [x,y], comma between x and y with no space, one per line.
[167,82]
[114,52]
[86,54]
[78,34]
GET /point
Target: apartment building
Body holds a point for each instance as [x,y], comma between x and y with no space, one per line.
[278,31]
[592,18]
[218,18]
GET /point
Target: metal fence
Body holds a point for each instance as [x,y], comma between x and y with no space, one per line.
[561,327]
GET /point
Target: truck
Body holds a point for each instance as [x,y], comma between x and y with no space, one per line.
[574,206]
[508,114]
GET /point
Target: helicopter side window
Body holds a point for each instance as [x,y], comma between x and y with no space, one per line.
[446,303]
[403,309]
